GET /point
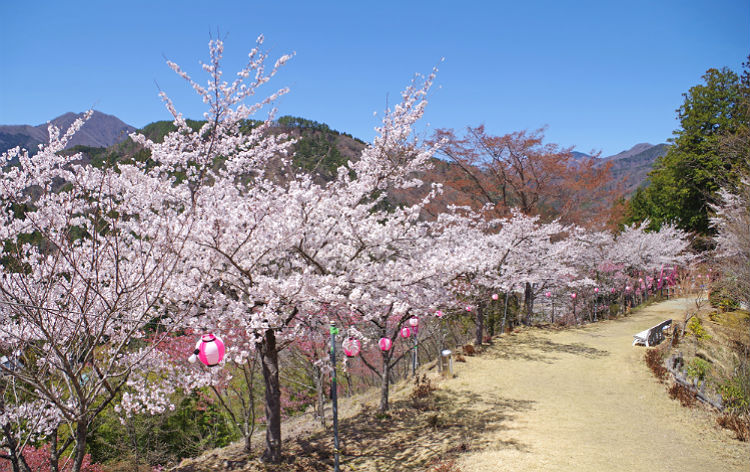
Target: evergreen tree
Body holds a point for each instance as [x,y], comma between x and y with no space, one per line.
[684,182]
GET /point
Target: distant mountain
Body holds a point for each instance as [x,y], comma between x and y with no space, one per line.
[101,130]
[632,166]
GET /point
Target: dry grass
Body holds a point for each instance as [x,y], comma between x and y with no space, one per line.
[740,425]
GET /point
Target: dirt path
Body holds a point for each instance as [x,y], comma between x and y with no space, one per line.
[584,400]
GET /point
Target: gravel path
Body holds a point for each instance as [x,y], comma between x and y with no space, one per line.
[584,400]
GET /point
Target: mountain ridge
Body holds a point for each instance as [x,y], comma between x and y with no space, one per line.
[101,130]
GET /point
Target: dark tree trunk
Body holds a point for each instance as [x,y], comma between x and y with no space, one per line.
[491,321]
[320,393]
[54,454]
[270,366]
[528,301]
[386,375]
[479,325]
[81,430]
[16,457]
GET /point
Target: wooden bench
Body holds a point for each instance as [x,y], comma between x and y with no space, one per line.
[653,335]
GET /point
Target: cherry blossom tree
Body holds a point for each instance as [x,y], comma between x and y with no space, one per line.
[88,267]
[272,244]
[732,222]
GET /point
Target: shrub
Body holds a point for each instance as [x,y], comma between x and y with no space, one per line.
[735,393]
[469,350]
[734,422]
[422,388]
[698,368]
[723,299]
[38,461]
[654,360]
[683,394]
[696,329]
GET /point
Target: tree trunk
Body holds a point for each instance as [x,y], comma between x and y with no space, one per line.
[320,394]
[386,375]
[479,325]
[505,314]
[491,321]
[80,448]
[528,301]
[16,456]
[54,454]
[270,366]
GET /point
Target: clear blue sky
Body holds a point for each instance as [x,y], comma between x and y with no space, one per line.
[601,74]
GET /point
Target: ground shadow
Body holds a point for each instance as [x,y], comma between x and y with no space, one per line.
[535,348]
[418,432]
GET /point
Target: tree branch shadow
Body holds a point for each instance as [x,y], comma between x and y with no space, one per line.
[417,432]
[534,348]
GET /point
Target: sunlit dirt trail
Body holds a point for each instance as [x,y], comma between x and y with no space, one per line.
[584,400]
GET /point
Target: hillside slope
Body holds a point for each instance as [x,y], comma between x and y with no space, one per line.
[578,400]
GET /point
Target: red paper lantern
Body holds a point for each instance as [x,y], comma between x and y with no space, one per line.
[495,296]
[439,314]
[548,294]
[385,344]
[573,296]
[351,347]
[209,349]
[405,332]
[468,308]
[596,290]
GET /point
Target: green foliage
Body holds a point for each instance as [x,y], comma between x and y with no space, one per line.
[723,299]
[317,147]
[698,368]
[736,393]
[695,327]
[684,181]
[194,426]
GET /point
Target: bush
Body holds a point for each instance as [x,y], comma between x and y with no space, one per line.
[698,368]
[683,394]
[422,388]
[739,424]
[655,362]
[722,299]
[696,329]
[38,461]
[735,393]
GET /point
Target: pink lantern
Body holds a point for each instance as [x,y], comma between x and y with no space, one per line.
[405,332]
[640,281]
[209,349]
[548,294]
[613,290]
[596,290]
[468,308]
[414,321]
[495,296]
[385,344]
[439,314]
[627,288]
[573,296]
[351,347]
